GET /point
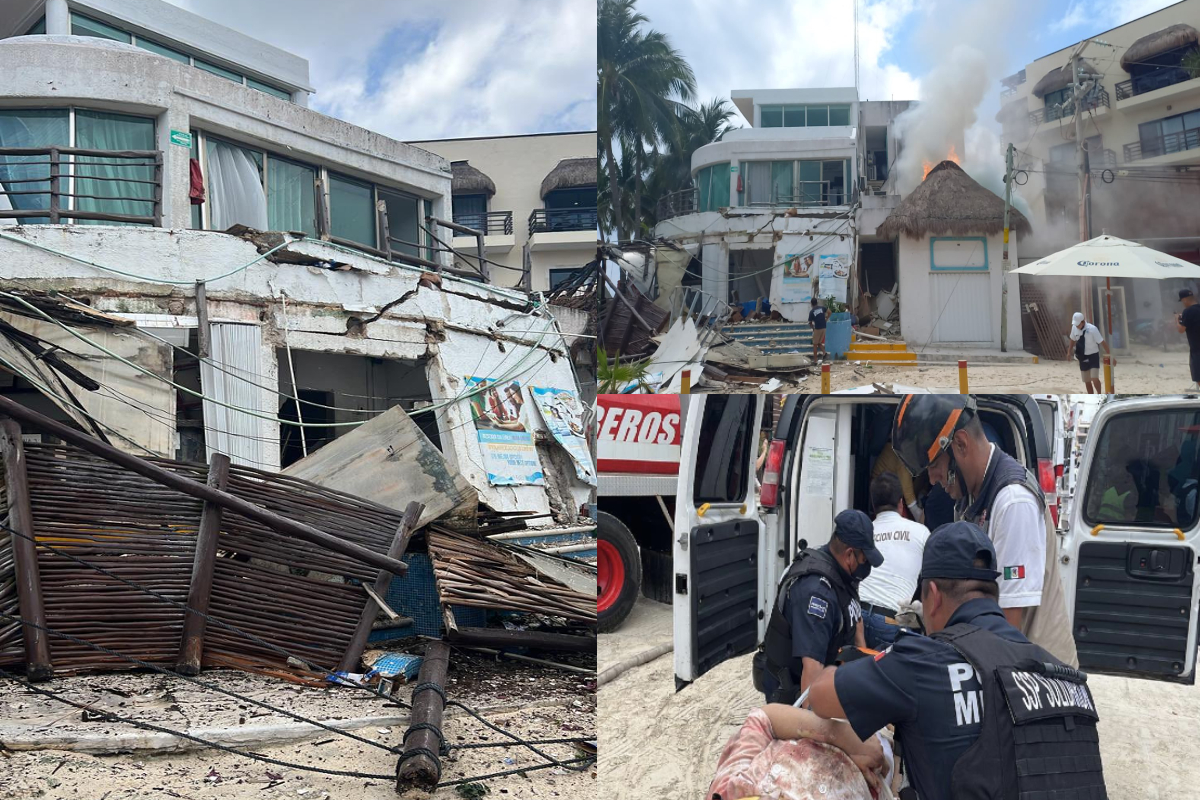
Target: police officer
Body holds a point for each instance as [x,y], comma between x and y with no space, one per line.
[944,435]
[979,711]
[816,610]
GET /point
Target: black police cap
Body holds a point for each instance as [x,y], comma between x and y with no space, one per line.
[854,529]
[952,549]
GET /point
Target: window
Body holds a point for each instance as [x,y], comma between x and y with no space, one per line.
[352,210]
[958,254]
[235,188]
[404,224]
[85,26]
[793,117]
[839,115]
[39,27]
[771,117]
[215,70]
[781,181]
[113,185]
[269,89]
[1059,97]
[723,452]
[31,128]
[810,183]
[1145,469]
[833,180]
[804,116]
[471,210]
[712,184]
[154,47]
[291,196]
[818,116]
[561,275]
[579,197]
[804,183]
[1170,134]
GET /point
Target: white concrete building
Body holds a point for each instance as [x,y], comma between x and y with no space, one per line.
[534,196]
[133,136]
[809,178]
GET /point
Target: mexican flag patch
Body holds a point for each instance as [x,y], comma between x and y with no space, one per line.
[1014,573]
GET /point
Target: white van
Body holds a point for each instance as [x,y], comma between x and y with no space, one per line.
[1130,580]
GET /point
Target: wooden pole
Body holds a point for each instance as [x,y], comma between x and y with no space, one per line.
[199,490]
[404,534]
[29,583]
[191,646]
[499,637]
[417,768]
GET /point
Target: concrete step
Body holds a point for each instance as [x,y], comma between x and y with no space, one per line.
[752,329]
[771,341]
[875,347]
[879,355]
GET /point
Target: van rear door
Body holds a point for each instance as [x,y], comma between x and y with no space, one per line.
[717,533]
[1130,555]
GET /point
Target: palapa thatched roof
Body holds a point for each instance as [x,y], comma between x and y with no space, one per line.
[465,179]
[569,174]
[1150,45]
[950,203]
[1061,78]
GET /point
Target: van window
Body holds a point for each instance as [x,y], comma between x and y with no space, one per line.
[1047,410]
[1145,470]
[723,454]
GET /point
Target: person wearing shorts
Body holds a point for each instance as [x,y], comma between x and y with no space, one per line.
[816,318]
[1087,341]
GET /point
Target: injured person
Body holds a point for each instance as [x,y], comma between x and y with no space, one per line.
[786,753]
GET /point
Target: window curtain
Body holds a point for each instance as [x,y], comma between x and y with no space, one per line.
[719,189]
[235,191]
[781,181]
[111,183]
[291,196]
[703,185]
[759,189]
[31,128]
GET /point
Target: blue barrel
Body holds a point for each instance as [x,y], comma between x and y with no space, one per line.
[837,334]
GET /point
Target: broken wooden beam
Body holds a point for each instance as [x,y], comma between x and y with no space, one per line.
[191,646]
[180,483]
[29,584]
[537,640]
[404,534]
[420,766]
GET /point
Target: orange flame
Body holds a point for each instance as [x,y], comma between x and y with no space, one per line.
[928,165]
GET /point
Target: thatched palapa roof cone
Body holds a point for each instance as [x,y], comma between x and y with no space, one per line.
[569,174]
[950,203]
[1171,37]
[465,179]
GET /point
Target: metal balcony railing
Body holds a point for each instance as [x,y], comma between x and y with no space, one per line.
[557,220]
[1152,146]
[676,204]
[55,184]
[1151,81]
[491,223]
[1095,99]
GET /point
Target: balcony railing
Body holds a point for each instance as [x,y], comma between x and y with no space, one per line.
[54,184]
[676,204]
[490,223]
[557,220]
[1149,82]
[1094,100]
[1152,146]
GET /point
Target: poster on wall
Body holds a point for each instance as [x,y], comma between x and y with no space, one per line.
[504,438]
[833,274]
[563,415]
[798,272]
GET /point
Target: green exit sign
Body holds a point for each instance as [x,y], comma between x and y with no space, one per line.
[733,168]
[181,138]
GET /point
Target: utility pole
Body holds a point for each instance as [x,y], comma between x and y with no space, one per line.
[1081,161]
[1004,262]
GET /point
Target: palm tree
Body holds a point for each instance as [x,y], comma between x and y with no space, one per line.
[696,127]
[642,83]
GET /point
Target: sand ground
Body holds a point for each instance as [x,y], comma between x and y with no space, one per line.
[535,702]
[658,743]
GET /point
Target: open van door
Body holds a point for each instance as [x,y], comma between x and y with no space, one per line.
[1129,560]
[717,533]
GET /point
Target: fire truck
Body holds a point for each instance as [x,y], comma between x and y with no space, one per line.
[637,448]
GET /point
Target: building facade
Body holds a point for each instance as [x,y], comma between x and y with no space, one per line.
[535,198]
[144,149]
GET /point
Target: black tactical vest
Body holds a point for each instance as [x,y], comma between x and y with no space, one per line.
[1039,736]
[1004,470]
[777,644]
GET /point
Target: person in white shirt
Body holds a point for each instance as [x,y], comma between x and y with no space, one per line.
[902,542]
[1087,341]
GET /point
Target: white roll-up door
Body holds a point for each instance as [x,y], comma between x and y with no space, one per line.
[962,307]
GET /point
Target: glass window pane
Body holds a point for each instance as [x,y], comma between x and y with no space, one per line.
[1172,125]
[235,190]
[810,170]
[839,115]
[215,70]
[726,436]
[470,210]
[818,116]
[703,182]
[720,186]
[351,210]
[758,188]
[771,117]
[111,185]
[30,128]
[1145,470]
[781,181]
[404,228]
[39,27]
[291,196]
[82,26]
[1191,120]
[833,177]
[268,88]
[154,47]
[793,116]
[426,212]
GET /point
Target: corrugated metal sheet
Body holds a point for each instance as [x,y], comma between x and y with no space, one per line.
[964,302]
[236,348]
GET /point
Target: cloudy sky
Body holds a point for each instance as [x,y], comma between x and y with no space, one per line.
[752,44]
[428,69]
